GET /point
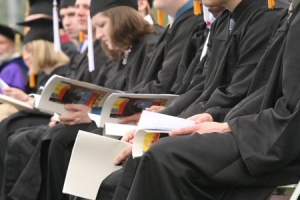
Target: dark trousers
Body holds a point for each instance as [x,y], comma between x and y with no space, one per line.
[55,157]
[205,167]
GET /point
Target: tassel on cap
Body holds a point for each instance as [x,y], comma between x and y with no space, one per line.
[57,46]
[81,36]
[17,42]
[90,46]
[271,4]
[160,18]
[31,80]
[197,8]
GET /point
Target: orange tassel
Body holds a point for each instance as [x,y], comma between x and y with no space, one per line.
[26,30]
[81,36]
[31,80]
[197,8]
[160,18]
[271,4]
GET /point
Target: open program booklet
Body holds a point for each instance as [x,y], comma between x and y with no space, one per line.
[127,104]
[92,158]
[59,91]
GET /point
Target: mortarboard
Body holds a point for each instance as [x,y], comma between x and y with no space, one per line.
[40,29]
[66,3]
[97,6]
[40,7]
[9,32]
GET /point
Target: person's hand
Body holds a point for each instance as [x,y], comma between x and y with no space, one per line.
[52,122]
[128,137]
[78,114]
[16,94]
[205,127]
[200,118]
[135,118]
[155,108]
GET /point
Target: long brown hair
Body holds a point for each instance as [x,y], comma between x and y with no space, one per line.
[127,26]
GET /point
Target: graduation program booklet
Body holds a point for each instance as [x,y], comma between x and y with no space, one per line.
[126,104]
[59,91]
[92,161]
[20,105]
[153,126]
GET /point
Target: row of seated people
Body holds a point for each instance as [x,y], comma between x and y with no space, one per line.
[244,48]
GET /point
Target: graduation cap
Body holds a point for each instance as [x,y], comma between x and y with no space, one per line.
[40,29]
[9,32]
[66,3]
[12,34]
[97,6]
[40,7]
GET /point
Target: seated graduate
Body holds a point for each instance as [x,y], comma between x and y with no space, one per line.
[227,75]
[69,34]
[163,64]
[13,70]
[245,157]
[40,57]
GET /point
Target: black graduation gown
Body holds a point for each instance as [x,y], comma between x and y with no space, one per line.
[162,66]
[24,119]
[228,78]
[20,185]
[79,69]
[123,77]
[260,153]
[189,59]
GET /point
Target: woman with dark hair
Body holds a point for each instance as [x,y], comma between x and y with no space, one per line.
[126,39]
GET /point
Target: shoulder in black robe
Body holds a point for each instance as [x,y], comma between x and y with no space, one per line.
[162,66]
[232,58]
[120,76]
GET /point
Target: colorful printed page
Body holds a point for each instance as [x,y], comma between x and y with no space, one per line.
[144,139]
[59,91]
[92,161]
[125,104]
[153,126]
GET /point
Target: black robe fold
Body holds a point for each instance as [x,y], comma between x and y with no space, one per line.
[163,64]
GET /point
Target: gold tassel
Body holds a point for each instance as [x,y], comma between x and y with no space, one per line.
[27,7]
[197,8]
[81,36]
[160,18]
[17,42]
[271,4]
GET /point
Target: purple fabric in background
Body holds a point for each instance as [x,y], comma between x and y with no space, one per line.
[14,75]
